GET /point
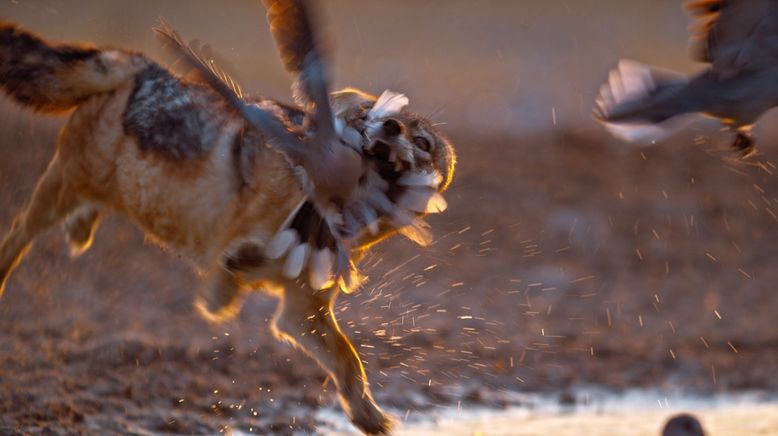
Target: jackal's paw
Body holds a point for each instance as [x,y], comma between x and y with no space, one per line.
[77,248]
[79,236]
[216,313]
[80,229]
[370,419]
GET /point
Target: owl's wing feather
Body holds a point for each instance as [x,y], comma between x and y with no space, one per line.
[203,55]
[292,27]
[734,34]
[206,71]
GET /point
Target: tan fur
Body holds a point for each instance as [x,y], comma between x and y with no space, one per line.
[214,205]
[196,210]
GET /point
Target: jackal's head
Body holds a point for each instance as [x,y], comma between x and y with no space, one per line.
[386,129]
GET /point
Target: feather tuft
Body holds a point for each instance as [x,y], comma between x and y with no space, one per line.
[437,204]
[295,261]
[281,243]
[388,104]
[431,180]
[320,272]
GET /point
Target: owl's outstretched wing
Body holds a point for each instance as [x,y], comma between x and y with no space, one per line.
[202,54]
[204,69]
[353,191]
[308,237]
[300,47]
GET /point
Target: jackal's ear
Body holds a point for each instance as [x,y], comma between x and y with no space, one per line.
[349,99]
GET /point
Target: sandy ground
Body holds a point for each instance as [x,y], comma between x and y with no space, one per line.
[631,413]
[740,420]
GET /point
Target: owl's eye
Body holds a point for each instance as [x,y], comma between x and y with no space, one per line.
[422,142]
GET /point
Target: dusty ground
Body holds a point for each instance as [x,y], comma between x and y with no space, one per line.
[646,421]
[564,261]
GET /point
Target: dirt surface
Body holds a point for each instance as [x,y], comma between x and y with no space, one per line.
[732,419]
[564,261]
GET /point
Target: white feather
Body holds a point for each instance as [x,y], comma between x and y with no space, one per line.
[402,218]
[339,126]
[369,217]
[614,82]
[388,104]
[417,232]
[375,180]
[636,79]
[415,199]
[633,81]
[377,198]
[281,243]
[295,261]
[431,180]
[437,204]
[320,272]
[647,134]
[351,136]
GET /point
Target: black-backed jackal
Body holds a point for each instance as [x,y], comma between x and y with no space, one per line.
[195,176]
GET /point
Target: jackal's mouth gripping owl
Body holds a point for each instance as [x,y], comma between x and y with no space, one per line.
[367,165]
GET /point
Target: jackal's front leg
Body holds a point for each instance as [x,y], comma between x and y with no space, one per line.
[219,300]
[222,296]
[305,319]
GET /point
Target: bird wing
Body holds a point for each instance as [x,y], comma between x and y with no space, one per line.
[734,34]
[394,194]
[202,68]
[203,55]
[316,237]
[292,27]
[393,197]
[307,238]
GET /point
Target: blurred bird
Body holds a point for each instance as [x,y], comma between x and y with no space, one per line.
[739,39]
[683,425]
[360,173]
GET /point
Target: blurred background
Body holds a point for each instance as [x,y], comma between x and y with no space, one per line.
[567,259]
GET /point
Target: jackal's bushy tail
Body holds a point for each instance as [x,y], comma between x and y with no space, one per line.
[53,78]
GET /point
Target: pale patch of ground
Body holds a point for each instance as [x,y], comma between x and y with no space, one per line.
[735,420]
[635,413]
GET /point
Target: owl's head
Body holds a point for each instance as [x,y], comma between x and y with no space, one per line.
[386,129]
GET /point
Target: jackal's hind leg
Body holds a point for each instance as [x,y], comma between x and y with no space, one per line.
[305,319]
[80,228]
[51,201]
